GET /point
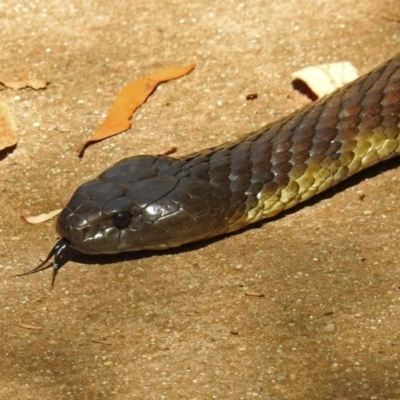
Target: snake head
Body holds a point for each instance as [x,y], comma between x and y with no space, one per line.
[110,214]
[142,203]
[62,253]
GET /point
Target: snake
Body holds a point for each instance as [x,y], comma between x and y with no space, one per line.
[155,202]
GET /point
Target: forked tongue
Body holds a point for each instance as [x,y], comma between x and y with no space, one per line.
[62,253]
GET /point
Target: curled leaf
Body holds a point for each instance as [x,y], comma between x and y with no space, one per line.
[129,99]
[326,78]
[37,219]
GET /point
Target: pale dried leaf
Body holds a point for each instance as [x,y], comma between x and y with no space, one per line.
[32,83]
[8,130]
[37,219]
[324,79]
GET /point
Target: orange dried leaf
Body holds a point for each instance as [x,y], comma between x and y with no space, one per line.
[129,99]
[37,219]
[8,135]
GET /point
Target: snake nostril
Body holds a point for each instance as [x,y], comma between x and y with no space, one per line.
[122,220]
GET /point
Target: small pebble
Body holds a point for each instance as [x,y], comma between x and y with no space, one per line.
[251,96]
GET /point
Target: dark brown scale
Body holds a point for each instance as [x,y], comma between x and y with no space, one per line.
[347,126]
[299,170]
[302,144]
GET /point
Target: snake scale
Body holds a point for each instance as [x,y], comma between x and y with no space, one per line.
[158,202]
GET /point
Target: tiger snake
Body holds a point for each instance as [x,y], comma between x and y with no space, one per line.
[157,202]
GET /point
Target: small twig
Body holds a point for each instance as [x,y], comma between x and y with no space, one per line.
[172,150]
[101,342]
[32,327]
[391,17]
[253,293]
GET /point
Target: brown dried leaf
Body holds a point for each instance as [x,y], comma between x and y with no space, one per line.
[8,130]
[37,219]
[129,99]
[32,83]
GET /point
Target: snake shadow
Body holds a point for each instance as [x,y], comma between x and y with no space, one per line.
[372,172]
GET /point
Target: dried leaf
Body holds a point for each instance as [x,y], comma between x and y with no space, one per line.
[24,83]
[326,78]
[8,131]
[37,219]
[129,99]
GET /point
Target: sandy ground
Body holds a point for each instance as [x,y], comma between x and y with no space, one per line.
[177,325]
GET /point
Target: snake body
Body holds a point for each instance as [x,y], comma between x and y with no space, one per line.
[158,202]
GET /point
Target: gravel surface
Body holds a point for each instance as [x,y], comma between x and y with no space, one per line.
[178,324]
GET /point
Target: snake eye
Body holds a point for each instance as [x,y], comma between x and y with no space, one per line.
[122,220]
